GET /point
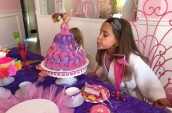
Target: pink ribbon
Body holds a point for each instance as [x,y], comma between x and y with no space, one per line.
[119,68]
[59,2]
[85,6]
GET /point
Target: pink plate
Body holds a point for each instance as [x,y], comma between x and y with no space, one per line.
[97,99]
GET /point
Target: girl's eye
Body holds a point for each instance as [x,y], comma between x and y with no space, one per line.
[105,34]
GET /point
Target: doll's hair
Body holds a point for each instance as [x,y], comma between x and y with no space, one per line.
[58,16]
[78,35]
[123,33]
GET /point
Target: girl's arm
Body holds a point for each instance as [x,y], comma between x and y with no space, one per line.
[148,84]
[98,72]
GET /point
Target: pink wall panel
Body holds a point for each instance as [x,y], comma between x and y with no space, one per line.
[36,5]
[157,3]
[10,4]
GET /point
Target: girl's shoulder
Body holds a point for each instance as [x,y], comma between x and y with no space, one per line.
[134,59]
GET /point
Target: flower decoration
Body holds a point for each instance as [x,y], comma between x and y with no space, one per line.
[5,50]
[18,64]
[3,73]
[10,70]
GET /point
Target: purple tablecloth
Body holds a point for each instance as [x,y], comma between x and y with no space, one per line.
[131,105]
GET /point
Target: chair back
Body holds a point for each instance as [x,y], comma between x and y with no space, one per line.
[152,29]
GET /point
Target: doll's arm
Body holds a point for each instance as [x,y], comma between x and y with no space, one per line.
[70,14]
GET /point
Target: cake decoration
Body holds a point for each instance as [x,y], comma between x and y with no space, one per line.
[65,57]
[8,66]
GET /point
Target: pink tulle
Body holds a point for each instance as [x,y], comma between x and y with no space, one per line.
[53,93]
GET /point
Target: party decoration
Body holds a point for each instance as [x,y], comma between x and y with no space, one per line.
[86,7]
[53,93]
[8,67]
[16,37]
[22,51]
[60,6]
[10,70]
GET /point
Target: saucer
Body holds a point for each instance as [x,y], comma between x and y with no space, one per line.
[25,84]
[11,79]
[21,93]
[5,93]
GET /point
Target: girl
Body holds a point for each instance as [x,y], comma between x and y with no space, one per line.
[139,80]
[78,35]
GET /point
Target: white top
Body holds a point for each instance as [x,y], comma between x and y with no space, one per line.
[144,82]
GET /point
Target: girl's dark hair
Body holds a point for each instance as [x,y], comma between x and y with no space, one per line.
[126,46]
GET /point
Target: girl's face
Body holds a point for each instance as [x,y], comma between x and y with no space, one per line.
[106,38]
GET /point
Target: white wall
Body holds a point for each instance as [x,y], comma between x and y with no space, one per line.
[10,21]
[90,28]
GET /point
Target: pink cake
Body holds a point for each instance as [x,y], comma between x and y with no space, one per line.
[5,62]
[64,53]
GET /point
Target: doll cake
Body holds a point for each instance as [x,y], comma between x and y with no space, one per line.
[64,53]
[65,57]
[5,61]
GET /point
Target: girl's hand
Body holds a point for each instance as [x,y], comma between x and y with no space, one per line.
[163,102]
[92,74]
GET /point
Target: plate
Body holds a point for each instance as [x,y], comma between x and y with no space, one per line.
[98,99]
[169,109]
[35,106]
[64,74]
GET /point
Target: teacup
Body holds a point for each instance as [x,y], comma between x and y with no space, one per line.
[5,93]
[76,99]
[2,90]
[24,85]
[6,80]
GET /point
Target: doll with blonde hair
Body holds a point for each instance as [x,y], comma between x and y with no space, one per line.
[64,53]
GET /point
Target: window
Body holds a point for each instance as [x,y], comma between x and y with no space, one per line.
[90,8]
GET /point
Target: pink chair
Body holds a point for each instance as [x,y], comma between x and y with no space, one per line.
[153,33]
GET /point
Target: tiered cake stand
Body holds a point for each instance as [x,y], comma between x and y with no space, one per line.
[66,77]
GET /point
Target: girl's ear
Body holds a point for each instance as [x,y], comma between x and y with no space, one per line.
[117,43]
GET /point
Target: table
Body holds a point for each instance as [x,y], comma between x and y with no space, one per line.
[131,105]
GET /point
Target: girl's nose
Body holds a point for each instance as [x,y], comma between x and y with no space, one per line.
[99,37]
